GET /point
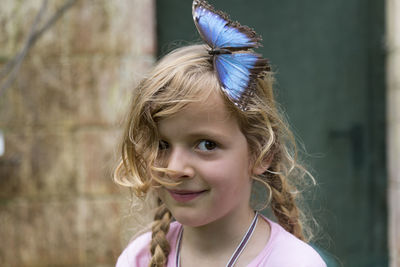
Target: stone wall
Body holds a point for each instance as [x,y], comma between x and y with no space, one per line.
[60,120]
[393,124]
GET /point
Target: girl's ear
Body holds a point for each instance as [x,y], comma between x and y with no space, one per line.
[263,166]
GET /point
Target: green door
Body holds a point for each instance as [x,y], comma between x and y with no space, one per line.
[329,60]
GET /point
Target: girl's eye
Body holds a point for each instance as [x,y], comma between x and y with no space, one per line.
[207,145]
[162,145]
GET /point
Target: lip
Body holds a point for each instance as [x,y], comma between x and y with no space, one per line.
[185,195]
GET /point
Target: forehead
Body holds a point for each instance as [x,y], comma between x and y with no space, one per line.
[209,114]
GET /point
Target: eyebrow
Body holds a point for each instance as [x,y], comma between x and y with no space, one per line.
[207,134]
[202,134]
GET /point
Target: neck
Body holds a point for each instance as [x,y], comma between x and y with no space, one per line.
[222,234]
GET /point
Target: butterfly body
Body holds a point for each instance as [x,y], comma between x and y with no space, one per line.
[231,47]
[219,51]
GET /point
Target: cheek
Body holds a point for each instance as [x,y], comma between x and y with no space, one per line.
[227,175]
[231,187]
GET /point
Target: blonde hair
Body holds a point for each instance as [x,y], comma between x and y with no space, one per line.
[184,76]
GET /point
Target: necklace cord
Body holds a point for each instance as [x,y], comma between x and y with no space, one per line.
[238,251]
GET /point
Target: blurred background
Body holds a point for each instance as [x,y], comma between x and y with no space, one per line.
[66,71]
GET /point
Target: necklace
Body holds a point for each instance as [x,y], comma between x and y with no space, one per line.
[239,249]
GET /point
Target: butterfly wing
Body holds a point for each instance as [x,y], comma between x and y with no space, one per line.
[236,74]
[218,31]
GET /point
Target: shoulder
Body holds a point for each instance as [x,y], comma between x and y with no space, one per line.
[286,250]
[137,253]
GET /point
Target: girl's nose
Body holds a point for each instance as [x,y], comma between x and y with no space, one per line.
[179,164]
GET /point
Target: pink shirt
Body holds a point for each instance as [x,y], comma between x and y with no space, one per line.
[282,250]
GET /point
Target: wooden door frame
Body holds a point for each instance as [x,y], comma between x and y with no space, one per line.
[393,127]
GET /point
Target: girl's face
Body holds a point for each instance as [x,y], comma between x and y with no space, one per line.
[209,156]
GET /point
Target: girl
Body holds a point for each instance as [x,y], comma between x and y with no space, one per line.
[199,133]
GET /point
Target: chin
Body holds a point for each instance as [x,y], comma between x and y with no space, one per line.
[189,219]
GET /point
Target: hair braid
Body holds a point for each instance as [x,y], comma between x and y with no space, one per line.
[159,246]
[284,206]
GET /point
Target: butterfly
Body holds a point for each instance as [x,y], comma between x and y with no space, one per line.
[237,66]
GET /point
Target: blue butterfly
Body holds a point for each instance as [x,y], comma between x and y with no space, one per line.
[236,65]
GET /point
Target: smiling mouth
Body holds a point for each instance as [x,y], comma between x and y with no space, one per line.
[185,196]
